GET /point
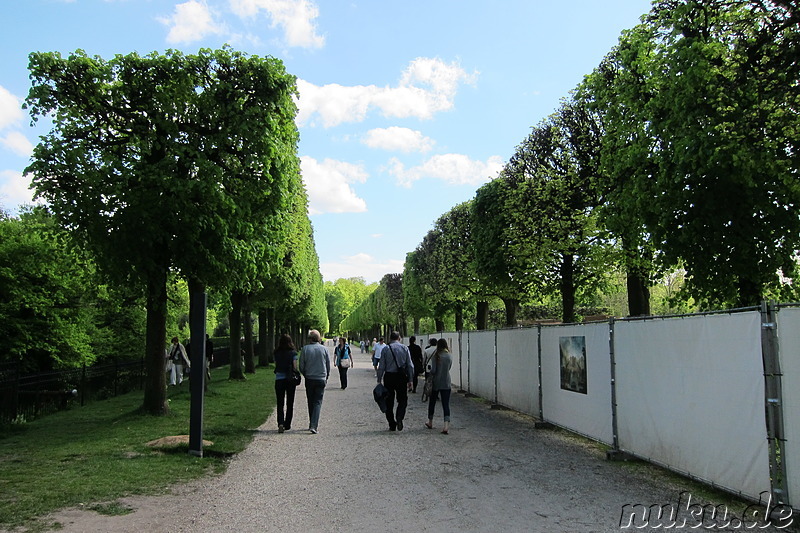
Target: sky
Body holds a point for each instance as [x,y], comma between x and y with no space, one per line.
[406,107]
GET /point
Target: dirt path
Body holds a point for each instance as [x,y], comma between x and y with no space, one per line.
[493,472]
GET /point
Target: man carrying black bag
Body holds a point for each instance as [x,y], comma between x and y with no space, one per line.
[396,372]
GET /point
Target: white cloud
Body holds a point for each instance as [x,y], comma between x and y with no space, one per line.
[191,22]
[295,17]
[328,185]
[455,169]
[398,139]
[363,265]
[426,87]
[17,143]
[10,109]
[14,189]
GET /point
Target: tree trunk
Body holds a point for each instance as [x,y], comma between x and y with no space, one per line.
[482,316]
[568,288]
[155,384]
[247,323]
[439,324]
[638,294]
[511,311]
[271,334]
[416,325]
[236,336]
[459,318]
[749,293]
[262,350]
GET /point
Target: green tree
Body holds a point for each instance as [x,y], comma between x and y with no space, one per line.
[715,86]
[557,235]
[502,264]
[344,295]
[166,162]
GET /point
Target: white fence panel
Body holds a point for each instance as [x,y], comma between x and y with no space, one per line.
[481,363]
[690,395]
[576,379]
[518,369]
[789,353]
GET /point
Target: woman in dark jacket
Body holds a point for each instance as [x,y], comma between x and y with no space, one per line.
[285,365]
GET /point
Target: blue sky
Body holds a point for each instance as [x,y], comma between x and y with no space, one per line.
[406,108]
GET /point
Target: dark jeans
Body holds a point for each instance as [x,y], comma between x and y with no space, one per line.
[445,403]
[398,386]
[416,380]
[343,376]
[315,389]
[284,388]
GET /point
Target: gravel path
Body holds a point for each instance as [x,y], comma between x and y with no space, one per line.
[493,472]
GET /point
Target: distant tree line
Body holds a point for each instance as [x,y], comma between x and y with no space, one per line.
[675,159]
[162,168]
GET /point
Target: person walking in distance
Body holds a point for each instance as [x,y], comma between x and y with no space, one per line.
[179,358]
[416,359]
[315,365]
[439,369]
[396,371]
[285,363]
[343,361]
[429,351]
[376,354]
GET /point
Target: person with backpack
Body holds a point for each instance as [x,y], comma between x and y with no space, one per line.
[343,360]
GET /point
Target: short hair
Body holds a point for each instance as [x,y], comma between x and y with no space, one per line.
[394,336]
[432,341]
[314,336]
[412,340]
[174,339]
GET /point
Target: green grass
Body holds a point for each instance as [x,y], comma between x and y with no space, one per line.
[95,454]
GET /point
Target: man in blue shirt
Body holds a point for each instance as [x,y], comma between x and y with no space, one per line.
[396,371]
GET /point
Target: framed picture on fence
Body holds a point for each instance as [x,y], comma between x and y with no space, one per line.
[573,363]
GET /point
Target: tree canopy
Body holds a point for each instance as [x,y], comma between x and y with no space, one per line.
[168,162]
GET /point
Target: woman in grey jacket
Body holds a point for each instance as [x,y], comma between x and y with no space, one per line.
[439,368]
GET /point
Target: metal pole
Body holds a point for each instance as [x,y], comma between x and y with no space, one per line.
[613,361]
[539,357]
[496,395]
[774,403]
[198,371]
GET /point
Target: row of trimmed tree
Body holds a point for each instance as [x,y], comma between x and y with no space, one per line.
[183,165]
[678,152]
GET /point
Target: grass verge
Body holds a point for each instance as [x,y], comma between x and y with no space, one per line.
[95,454]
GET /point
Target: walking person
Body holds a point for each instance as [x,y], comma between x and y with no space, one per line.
[396,371]
[285,365]
[315,365]
[416,359]
[179,359]
[377,349]
[430,349]
[439,369]
[342,360]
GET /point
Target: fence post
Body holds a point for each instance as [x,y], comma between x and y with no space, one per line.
[614,452]
[774,402]
[460,362]
[496,403]
[539,357]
